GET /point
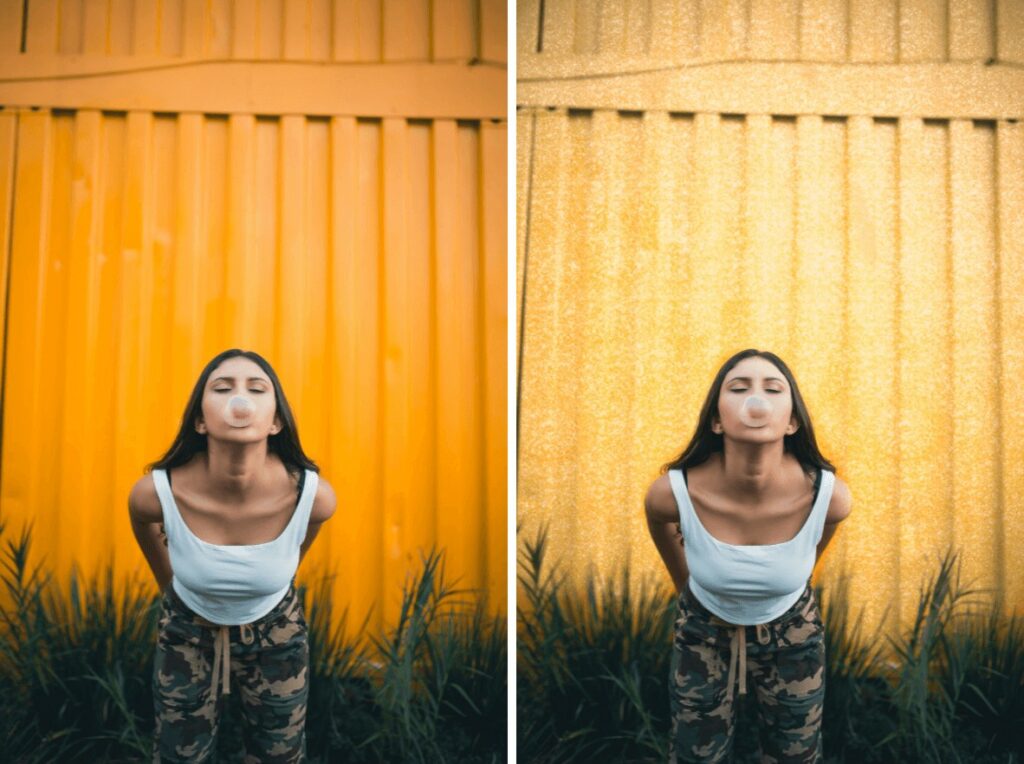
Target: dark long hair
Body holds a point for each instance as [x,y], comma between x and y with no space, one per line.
[188,442]
[706,442]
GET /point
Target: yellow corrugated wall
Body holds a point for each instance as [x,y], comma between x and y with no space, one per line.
[307,180]
[839,182]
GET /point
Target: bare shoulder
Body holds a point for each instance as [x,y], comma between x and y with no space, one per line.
[660,502]
[324,503]
[841,503]
[143,503]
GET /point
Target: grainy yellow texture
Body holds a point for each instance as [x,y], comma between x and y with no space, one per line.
[976,378]
[925,486]
[879,255]
[1010,305]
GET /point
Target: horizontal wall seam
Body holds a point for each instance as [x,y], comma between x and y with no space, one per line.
[939,91]
[414,90]
[549,66]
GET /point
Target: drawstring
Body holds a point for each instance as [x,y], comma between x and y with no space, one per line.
[738,651]
[222,652]
[246,631]
[222,660]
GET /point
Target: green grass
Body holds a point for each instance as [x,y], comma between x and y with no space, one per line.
[76,664]
[593,667]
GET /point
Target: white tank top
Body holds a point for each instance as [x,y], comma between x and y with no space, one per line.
[749,584]
[233,584]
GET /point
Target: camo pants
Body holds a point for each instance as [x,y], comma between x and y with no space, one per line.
[268,667]
[785,659]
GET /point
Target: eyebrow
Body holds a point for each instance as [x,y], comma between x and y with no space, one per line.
[250,379]
[748,379]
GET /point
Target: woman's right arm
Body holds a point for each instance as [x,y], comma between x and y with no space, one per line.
[147,518]
[663,523]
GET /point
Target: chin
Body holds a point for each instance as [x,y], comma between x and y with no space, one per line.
[242,437]
[758,436]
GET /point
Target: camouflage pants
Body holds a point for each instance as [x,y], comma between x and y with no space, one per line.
[268,667]
[785,661]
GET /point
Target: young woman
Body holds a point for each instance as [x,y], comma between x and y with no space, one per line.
[224,518]
[740,519]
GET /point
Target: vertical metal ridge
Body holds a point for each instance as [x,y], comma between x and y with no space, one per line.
[488,391]
[193,28]
[382,344]
[1000,367]
[189,213]
[900,149]
[395,437]
[794,218]
[329,349]
[972,250]
[32,237]
[133,317]
[898,500]
[102,306]
[971,35]
[845,334]
[540,27]
[429,274]
[949,303]
[24,26]
[239,250]
[483,354]
[1009,244]
[525,270]
[243,40]
[12,27]
[9,217]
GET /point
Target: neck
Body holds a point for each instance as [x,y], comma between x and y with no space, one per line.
[233,470]
[752,468]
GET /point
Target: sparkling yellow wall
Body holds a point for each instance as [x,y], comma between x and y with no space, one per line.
[842,185]
[362,252]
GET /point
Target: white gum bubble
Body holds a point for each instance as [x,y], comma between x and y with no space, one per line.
[755,410]
[239,410]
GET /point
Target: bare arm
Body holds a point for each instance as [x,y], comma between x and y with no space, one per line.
[838,510]
[147,519]
[663,524]
[323,507]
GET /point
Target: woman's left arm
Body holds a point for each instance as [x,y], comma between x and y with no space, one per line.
[323,507]
[838,510]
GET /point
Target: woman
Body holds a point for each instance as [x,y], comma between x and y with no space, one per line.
[739,520]
[224,544]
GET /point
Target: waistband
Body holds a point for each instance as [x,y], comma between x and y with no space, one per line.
[243,633]
[692,603]
[738,637]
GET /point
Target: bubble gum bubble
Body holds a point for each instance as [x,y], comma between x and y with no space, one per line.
[754,403]
[755,410]
[240,409]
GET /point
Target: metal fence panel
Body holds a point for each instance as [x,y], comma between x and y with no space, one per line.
[362,253]
[840,183]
